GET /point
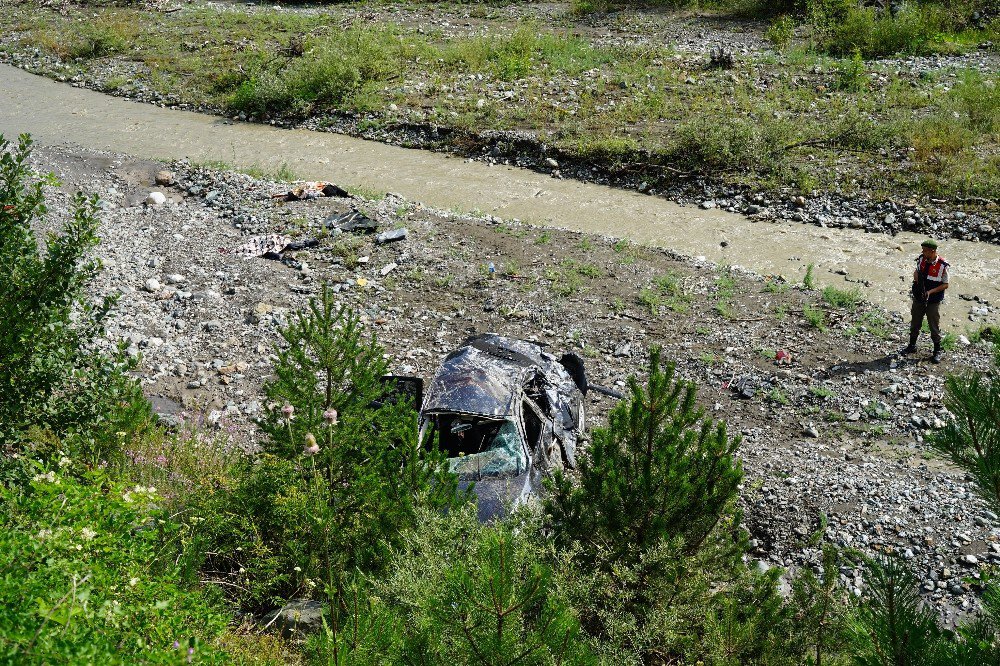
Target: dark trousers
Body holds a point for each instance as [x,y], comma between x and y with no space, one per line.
[933,314]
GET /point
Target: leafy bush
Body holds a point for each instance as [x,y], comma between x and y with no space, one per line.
[729,145]
[840,298]
[858,132]
[815,316]
[978,100]
[58,394]
[873,33]
[329,75]
[90,574]
[781,31]
[647,531]
[851,73]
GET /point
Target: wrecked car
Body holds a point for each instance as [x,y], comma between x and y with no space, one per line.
[506,412]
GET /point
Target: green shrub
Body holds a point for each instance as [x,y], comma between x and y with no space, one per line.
[978,99]
[328,76]
[781,31]
[659,470]
[729,144]
[59,395]
[342,475]
[840,298]
[852,74]
[857,131]
[809,281]
[914,29]
[98,38]
[459,593]
[815,316]
[972,439]
[93,573]
[667,292]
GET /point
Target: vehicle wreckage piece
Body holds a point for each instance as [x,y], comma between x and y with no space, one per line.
[312,190]
[506,413]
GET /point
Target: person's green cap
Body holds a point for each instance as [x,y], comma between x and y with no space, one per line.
[929,243]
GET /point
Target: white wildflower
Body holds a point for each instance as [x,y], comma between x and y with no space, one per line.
[48,477]
[88,533]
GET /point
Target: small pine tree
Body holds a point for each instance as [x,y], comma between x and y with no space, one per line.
[892,625]
[972,438]
[819,608]
[342,475]
[51,377]
[460,593]
[659,470]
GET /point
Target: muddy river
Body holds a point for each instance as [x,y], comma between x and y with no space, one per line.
[59,113]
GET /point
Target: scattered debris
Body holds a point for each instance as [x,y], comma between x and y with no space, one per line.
[351,222]
[392,235]
[312,190]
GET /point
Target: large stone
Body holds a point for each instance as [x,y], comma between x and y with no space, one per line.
[302,616]
[156,199]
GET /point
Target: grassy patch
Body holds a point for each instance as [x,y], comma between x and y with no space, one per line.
[815,317]
[667,293]
[840,298]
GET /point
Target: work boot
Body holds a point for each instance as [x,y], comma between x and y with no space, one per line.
[936,358]
[912,347]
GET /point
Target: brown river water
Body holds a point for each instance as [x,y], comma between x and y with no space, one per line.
[55,113]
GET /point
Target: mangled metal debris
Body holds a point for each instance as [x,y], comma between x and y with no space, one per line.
[353,221]
[506,412]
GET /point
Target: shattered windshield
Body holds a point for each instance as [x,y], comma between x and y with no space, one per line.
[503,456]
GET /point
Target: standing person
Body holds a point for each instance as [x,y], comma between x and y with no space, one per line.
[930,279]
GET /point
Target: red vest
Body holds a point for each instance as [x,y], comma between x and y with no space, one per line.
[929,276]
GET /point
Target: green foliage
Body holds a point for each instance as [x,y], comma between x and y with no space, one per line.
[839,298]
[459,593]
[342,475]
[815,317]
[851,74]
[666,293]
[659,470]
[972,439]
[874,322]
[92,573]
[821,609]
[914,29]
[857,131]
[58,394]
[729,144]
[978,102]
[331,74]
[892,625]
[97,39]
[781,31]
[809,281]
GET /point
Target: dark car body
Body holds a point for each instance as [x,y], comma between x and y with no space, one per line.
[506,412]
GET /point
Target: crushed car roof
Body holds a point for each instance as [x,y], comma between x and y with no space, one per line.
[485,375]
